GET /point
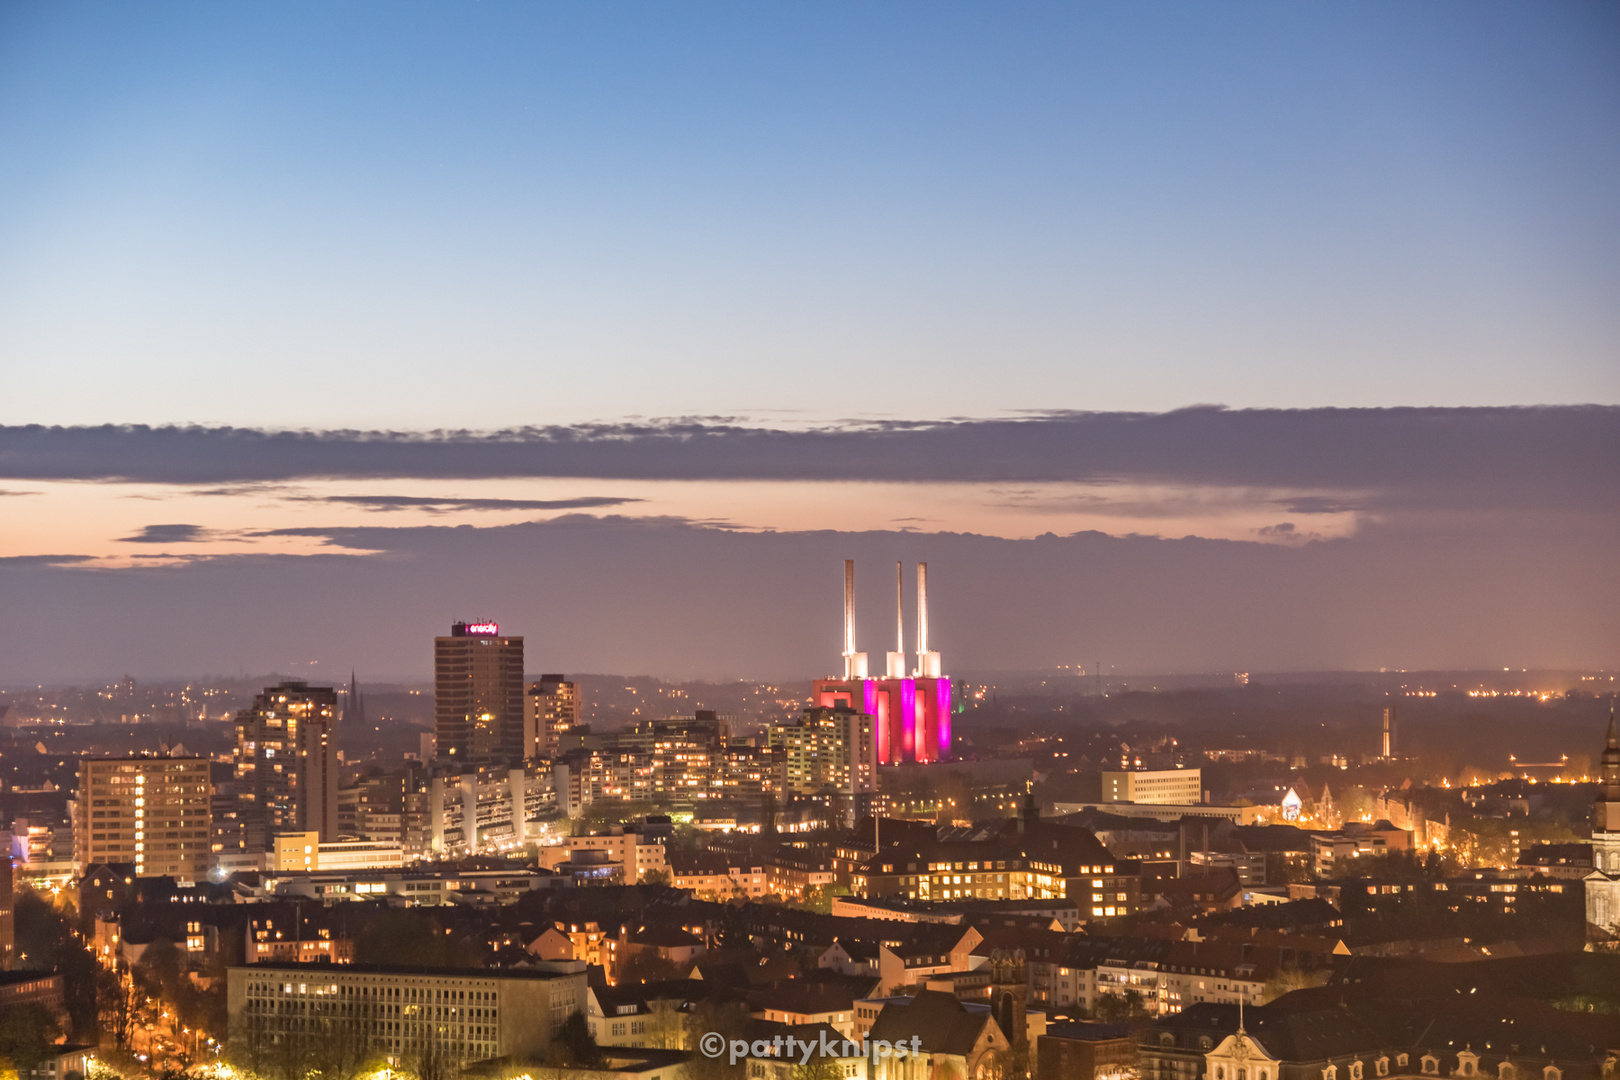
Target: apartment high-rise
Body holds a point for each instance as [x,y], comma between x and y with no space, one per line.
[287,763]
[478,694]
[828,749]
[150,811]
[8,924]
[550,707]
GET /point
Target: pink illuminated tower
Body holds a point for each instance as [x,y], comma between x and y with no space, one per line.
[911,713]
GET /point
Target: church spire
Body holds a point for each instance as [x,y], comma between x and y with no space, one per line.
[354,708]
[1606,807]
[1610,777]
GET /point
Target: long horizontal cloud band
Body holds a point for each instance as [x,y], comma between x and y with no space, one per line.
[1553,455]
[605,594]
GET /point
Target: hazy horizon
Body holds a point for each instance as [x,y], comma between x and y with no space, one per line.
[322,327]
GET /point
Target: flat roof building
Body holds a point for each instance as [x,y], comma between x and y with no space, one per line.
[478,694]
[1156,787]
[150,812]
[449,1016]
[286,763]
[550,707]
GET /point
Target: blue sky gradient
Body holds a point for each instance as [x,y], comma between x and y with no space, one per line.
[417,216]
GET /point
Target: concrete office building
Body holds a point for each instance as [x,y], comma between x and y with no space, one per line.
[478,695]
[287,764]
[410,1014]
[1156,787]
[307,852]
[150,812]
[480,809]
[635,850]
[550,707]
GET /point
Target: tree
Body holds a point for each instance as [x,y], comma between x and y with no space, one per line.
[117,999]
[656,877]
[666,1025]
[730,1020]
[574,1044]
[430,1060]
[1113,1008]
[344,1051]
[161,970]
[406,936]
[45,936]
[817,1067]
[1289,979]
[26,1034]
[819,898]
[248,1047]
[955,802]
[1355,803]
[289,1056]
[646,965]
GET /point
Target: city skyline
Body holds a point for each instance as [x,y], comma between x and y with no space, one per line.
[1214,411]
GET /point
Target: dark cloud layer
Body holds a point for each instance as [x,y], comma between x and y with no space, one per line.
[43,560]
[662,597]
[416,502]
[1565,456]
[169,534]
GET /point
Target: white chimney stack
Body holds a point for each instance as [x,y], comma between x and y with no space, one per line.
[897,659]
[854,662]
[928,664]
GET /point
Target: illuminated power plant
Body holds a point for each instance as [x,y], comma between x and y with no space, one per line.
[911,712]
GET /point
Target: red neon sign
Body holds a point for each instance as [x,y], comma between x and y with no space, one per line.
[483,628]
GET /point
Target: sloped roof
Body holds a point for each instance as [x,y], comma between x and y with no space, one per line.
[805,997]
[664,936]
[1312,914]
[940,1022]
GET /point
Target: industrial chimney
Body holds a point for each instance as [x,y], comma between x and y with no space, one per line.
[897,659]
[928,665]
[854,662]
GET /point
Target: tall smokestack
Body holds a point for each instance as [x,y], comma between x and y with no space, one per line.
[849,607]
[897,659]
[928,665]
[922,608]
[854,662]
[899,606]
